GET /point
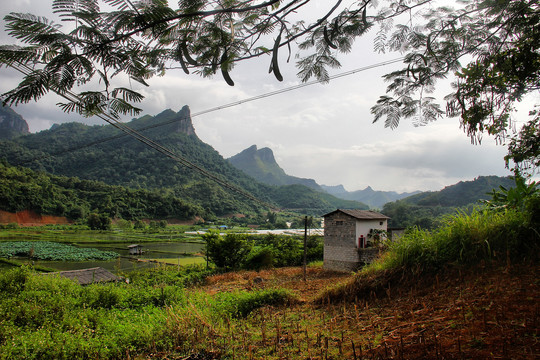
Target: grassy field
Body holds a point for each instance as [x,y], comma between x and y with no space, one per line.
[484,312]
[468,290]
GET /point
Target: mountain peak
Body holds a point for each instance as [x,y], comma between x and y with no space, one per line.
[267,155]
[185,124]
[176,122]
[11,123]
[261,165]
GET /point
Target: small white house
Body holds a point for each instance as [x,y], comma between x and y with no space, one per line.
[349,236]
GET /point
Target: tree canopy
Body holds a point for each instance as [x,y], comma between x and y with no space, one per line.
[489,47]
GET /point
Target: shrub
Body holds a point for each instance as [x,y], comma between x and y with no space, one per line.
[99,222]
[262,258]
[241,304]
[139,225]
[229,252]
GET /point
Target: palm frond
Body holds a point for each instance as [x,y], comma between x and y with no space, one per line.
[32,88]
[120,106]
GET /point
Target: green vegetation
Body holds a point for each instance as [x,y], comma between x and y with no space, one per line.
[237,251]
[45,250]
[54,318]
[177,312]
[426,210]
[505,231]
[24,189]
[101,155]
[228,252]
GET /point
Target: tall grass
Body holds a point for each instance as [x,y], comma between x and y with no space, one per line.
[463,238]
[46,317]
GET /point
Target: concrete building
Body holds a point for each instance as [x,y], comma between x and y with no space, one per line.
[350,238]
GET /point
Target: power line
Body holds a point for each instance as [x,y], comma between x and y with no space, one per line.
[221,107]
[70,96]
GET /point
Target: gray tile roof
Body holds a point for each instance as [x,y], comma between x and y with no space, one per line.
[361,214]
[88,276]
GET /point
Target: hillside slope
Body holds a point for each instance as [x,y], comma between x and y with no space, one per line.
[261,165]
[105,154]
[423,209]
[22,189]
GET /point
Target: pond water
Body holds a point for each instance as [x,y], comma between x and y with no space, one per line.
[153,250]
[126,262]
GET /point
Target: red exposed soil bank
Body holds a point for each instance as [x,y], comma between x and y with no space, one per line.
[30,218]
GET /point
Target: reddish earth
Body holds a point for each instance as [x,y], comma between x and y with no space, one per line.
[30,218]
[487,312]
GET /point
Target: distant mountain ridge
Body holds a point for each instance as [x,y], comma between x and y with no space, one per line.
[11,123]
[462,193]
[103,153]
[425,208]
[373,198]
[261,165]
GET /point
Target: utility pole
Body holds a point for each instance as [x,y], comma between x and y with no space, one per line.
[305,246]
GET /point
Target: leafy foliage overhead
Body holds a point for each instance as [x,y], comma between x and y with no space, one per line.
[491,46]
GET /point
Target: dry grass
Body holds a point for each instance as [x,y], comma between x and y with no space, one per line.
[289,278]
[479,313]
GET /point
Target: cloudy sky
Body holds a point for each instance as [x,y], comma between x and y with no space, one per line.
[323,132]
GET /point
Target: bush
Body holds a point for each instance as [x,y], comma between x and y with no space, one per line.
[241,304]
[99,222]
[288,250]
[139,225]
[262,258]
[229,252]
[124,224]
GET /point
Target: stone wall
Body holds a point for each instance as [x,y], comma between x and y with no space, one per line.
[367,255]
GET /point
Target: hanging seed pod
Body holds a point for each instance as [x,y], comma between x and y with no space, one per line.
[275,65]
[327,38]
[364,16]
[224,71]
[183,64]
[186,54]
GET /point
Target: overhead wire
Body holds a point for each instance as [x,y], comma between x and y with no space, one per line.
[221,107]
[70,96]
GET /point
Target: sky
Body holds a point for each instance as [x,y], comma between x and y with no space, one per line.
[322,131]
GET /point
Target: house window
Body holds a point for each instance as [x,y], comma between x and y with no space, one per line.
[339,222]
[380,222]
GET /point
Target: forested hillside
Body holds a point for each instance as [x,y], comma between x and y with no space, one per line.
[24,189]
[423,209]
[104,153]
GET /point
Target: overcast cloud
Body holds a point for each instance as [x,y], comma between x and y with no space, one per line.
[324,132]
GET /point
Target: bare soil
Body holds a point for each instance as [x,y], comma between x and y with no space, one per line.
[485,312]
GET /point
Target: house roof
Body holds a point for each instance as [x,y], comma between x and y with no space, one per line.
[360,214]
[88,276]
